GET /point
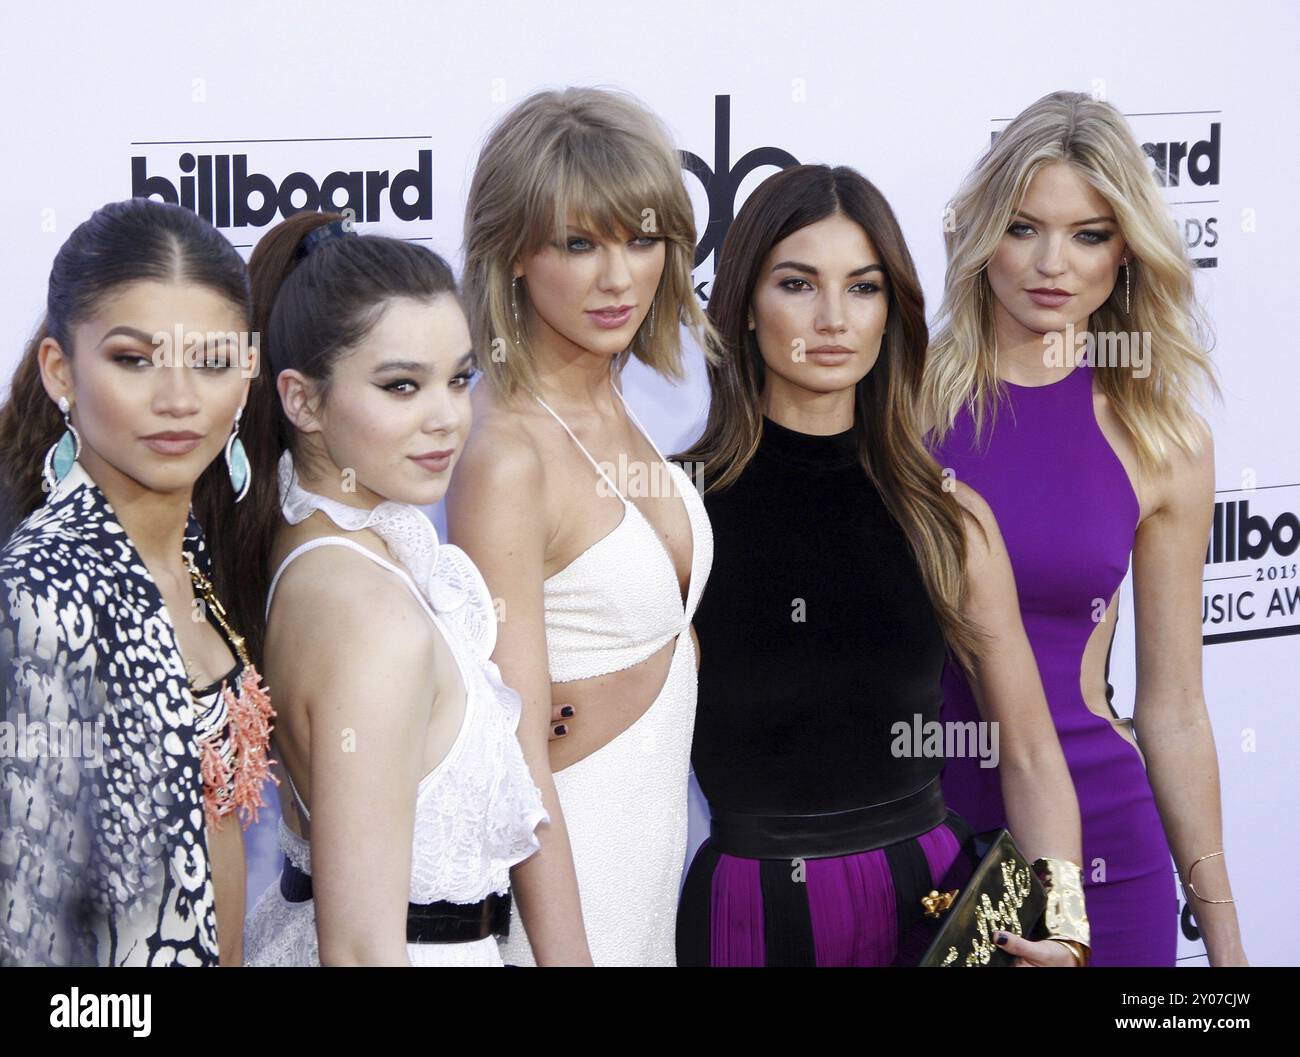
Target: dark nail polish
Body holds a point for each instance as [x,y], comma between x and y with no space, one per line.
[1000,939]
[566,711]
[561,729]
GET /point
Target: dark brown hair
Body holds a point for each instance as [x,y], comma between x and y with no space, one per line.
[310,309]
[889,442]
[138,240]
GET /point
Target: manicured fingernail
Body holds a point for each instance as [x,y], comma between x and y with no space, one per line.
[1000,939]
[566,711]
[561,729]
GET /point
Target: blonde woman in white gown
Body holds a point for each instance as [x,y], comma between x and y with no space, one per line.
[579,241]
[407,798]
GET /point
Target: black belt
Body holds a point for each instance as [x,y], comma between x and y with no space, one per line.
[440,922]
[834,833]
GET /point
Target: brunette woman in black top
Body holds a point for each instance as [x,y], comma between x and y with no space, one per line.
[845,569]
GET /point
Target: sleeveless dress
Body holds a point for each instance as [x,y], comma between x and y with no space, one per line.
[625,805]
[817,637]
[1067,511]
[476,811]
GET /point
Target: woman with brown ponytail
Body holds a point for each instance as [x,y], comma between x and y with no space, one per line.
[142,720]
[395,726]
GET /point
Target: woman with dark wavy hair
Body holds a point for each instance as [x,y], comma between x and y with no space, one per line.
[844,574]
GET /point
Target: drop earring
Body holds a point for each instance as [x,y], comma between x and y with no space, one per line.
[514,306]
[1126,289]
[652,320]
[63,454]
[241,478]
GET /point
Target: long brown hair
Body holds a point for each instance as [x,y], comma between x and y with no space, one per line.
[138,240]
[885,420]
[309,308]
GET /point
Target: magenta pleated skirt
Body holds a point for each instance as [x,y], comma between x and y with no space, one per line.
[852,910]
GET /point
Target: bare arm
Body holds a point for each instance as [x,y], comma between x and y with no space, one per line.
[1170,718]
[226,850]
[1042,809]
[366,671]
[496,513]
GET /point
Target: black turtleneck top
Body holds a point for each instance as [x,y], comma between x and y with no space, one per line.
[816,637]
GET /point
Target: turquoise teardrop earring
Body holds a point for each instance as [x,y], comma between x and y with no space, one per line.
[241,477]
[62,455]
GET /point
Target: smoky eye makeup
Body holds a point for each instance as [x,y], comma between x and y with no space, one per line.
[793,283]
[217,358]
[1103,230]
[129,354]
[462,378]
[466,370]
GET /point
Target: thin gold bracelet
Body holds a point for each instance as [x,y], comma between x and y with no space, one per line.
[1192,887]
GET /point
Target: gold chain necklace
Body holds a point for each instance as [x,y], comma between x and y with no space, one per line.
[204,586]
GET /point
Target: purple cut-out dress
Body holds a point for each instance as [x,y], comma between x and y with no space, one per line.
[1068,513]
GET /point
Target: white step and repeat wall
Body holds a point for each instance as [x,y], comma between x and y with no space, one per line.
[249,111]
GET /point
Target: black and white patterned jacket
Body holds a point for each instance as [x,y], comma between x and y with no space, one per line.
[100,862]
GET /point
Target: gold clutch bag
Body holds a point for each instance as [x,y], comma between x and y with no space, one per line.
[1003,894]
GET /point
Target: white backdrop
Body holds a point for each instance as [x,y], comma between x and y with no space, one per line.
[104,98]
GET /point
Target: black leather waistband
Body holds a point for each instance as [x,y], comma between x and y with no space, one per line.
[834,833]
[440,922]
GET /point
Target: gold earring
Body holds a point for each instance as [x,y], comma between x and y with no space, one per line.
[514,306]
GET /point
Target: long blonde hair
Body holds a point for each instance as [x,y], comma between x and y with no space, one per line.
[609,160]
[1093,138]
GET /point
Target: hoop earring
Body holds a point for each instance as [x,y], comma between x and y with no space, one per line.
[514,306]
[64,452]
[1126,289]
[241,477]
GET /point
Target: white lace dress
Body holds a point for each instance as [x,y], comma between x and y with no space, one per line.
[476,812]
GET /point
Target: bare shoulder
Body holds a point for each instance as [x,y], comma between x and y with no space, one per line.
[1201,456]
[501,441]
[503,464]
[332,594]
[1187,479]
[981,527]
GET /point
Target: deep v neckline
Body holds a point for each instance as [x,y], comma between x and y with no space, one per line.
[683,599]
